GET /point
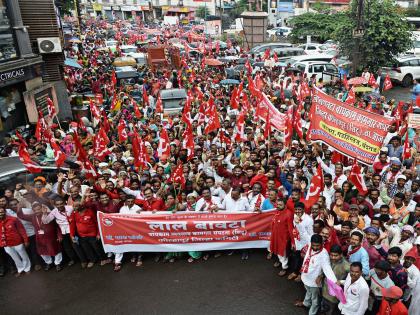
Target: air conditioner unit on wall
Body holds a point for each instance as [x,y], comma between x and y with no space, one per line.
[49,45]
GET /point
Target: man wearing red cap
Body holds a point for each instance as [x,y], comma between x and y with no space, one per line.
[391,304]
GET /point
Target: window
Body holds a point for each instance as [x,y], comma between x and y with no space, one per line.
[414,62]
[7,41]
[319,68]
[311,48]
[331,68]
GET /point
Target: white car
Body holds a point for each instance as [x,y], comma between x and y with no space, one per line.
[325,70]
[272,32]
[312,49]
[111,43]
[406,69]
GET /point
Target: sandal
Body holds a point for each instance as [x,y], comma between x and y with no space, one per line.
[299,304]
[292,276]
[282,273]
[298,279]
[269,256]
[117,267]
[139,263]
[276,264]
[190,260]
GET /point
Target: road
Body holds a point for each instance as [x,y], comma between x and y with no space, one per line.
[223,285]
[398,93]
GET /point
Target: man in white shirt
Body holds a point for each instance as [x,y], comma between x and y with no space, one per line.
[315,262]
[255,198]
[235,202]
[207,202]
[60,214]
[129,208]
[356,291]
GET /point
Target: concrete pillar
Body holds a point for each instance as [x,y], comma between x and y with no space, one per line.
[21,32]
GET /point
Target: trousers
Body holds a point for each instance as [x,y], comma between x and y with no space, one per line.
[311,300]
[20,257]
[92,249]
[57,259]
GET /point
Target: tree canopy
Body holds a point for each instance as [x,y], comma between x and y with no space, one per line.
[386,32]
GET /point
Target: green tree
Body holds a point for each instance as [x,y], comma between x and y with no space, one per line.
[319,26]
[321,7]
[202,12]
[239,7]
[386,34]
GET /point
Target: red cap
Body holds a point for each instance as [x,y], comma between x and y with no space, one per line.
[393,292]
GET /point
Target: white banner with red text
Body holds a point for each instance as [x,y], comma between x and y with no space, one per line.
[184,231]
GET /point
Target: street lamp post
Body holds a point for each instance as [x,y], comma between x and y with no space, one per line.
[358,33]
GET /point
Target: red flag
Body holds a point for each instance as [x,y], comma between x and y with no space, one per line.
[203,62]
[246,107]
[267,54]
[275,57]
[114,78]
[159,105]
[198,92]
[387,83]
[297,121]
[188,142]
[351,97]
[345,82]
[407,151]
[94,110]
[122,131]
[315,189]
[105,122]
[225,139]
[372,81]
[83,158]
[139,152]
[41,127]
[22,141]
[26,160]
[288,133]
[177,176]
[51,108]
[252,88]
[305,91]
[186,112]
[59,155]
[100,145]
[356,178]
[212,115]
[248,67]
[163,147]
[114,102]
[240,128]
[137,112]
[145,96]
[233,99]
[259,83]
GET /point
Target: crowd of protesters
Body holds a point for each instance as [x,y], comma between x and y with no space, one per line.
[368,242]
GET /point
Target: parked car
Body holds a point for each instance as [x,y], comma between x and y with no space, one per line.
[405,70]
[325,70]
[283,32]
[173,101]
[272,32]
[317,57]
[263,47]
[312,48]
[12,172]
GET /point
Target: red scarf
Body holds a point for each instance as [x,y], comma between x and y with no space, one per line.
[353,250]
[305,266]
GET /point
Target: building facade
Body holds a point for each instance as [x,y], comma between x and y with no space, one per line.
[20,68]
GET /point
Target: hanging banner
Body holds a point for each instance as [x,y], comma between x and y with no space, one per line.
[277,119]
[351,131]
[186,231]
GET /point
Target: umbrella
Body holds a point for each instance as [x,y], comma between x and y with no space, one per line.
[229,81]
[357,81]
[363,89]
[69,62]
[213,62]
[75,40]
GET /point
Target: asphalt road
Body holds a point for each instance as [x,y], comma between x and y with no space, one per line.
[398,93]
[224,285]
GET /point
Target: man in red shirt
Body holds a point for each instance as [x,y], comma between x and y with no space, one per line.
[391,304]
[14,240]
[150,203]
[84,230]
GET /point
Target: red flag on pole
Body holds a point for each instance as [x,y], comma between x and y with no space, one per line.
[387,82]
[351,97]
[159,105]
[94,110]
[177,176]
[372,81]
[163,147]
[100,145]
[240,128]
[122,131]
[26,160]
[315,189]
[407,151]
[188,142]
[59,155]
[356,178]
[212,115]
[51,108]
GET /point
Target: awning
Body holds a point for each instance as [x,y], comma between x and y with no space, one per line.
[69,62]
